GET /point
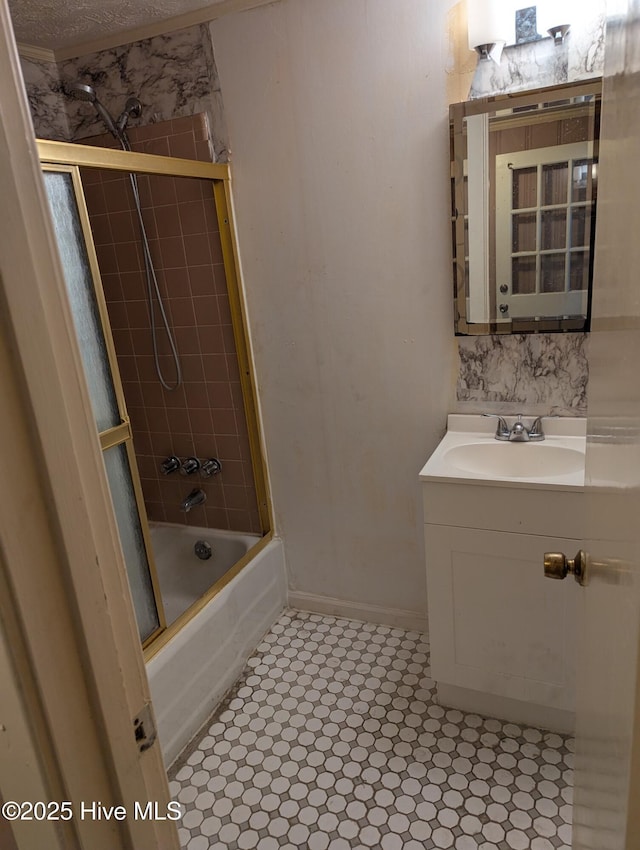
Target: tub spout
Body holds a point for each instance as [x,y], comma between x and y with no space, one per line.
[195,497]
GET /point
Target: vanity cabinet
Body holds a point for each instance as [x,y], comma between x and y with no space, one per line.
[502,635]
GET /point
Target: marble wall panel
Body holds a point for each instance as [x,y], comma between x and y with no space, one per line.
[173,75]
[541,373]
[46,100]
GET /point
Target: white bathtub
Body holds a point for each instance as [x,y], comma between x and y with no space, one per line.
[182,575]
[190,675]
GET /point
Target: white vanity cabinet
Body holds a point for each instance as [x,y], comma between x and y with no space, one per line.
[502,635]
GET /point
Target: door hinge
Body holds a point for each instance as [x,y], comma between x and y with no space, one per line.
[144,728]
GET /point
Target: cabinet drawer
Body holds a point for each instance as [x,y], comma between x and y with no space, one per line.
[556,513]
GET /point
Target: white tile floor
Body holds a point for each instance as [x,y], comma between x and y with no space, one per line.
[333,740]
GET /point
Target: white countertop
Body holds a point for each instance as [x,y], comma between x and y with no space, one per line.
[564,435]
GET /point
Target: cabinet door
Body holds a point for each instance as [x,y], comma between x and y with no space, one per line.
[496,624]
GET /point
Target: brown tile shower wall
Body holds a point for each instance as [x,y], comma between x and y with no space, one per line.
[205,416]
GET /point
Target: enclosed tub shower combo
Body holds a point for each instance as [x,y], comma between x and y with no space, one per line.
[148,249]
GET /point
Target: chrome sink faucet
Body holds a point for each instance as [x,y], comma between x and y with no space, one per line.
[518,432]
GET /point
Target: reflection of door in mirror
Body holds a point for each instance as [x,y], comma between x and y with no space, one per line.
[524,195]
[543,230]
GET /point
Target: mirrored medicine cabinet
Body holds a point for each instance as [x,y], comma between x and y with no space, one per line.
[524,180]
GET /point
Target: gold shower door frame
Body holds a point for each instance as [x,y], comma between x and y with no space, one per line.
[66,157]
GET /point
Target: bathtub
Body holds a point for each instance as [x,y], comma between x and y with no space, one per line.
[191,673]
[184,577]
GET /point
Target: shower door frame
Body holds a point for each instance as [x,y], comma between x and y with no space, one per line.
[121,434]
[71,157]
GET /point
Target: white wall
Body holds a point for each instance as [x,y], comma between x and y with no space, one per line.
[337,117]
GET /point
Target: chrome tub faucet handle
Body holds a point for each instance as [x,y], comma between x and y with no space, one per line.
[169,465]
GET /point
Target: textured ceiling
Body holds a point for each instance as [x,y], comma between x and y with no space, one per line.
[56,24]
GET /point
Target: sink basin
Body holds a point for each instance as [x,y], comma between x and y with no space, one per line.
[469,454]
[515,460]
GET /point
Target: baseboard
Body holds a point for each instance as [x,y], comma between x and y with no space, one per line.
[395,617]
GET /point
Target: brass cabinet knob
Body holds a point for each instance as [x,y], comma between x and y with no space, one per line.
[558,566]
[555,565]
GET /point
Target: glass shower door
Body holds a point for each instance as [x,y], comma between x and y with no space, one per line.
[75,245]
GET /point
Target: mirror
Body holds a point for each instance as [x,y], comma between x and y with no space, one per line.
[524,179]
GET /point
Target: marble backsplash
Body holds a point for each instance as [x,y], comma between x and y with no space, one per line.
[539,373]
[173,75]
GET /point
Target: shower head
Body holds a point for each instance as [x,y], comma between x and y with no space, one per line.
[81,91]
[132,109]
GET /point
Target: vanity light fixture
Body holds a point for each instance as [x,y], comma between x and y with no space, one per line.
[554,18]
[492,23]
[487,28]
[558,32]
